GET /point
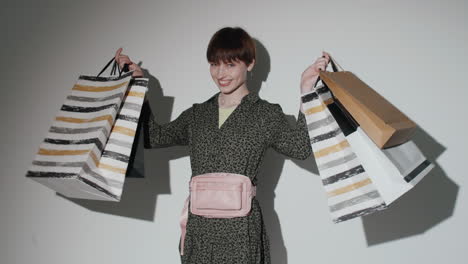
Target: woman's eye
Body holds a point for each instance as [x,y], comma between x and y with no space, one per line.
[231,64]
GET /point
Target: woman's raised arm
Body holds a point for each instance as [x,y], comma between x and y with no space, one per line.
[173,133]
[292,141]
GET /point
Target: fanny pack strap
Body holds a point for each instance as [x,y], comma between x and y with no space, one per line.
[183,224]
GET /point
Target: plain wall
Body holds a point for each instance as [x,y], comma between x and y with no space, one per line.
[412,52]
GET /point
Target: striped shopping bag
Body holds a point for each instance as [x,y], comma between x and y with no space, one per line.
[86,151]
[359,177]
[393,170]
[350,191]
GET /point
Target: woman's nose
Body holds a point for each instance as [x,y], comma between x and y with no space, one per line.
[221,70]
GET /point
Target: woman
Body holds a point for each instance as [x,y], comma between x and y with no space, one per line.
[230,132]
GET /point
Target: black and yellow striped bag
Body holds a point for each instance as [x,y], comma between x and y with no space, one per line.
[86,151]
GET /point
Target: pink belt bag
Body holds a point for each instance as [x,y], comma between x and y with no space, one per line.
[217,195]
[221,195]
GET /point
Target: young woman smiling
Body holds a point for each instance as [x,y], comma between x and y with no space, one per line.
[230,133]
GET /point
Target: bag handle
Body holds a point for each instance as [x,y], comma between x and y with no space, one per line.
[335,66]
[115,67]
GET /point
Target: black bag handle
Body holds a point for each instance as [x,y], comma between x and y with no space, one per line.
[334,65]
[115,67]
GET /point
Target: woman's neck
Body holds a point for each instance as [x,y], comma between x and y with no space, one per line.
[232,99]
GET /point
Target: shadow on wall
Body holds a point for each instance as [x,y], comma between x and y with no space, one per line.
[148,171]
[267,181]
[429,203]
[272,167]
[261,69]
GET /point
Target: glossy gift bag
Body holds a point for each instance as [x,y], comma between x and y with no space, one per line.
[86,151]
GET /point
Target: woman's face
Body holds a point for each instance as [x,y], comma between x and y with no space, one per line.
[229,76]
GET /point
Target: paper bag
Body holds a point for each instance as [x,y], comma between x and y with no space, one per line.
[382,122]
[392,171]
[86,150]
[350,191]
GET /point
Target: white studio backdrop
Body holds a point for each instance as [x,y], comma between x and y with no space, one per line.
[413,53]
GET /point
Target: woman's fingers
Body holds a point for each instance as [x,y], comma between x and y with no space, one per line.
[123,59]
[325,60]
[310,75]
[321,60]
[326,56]
[137,72]
[321,64]
[134,67]
[117,53]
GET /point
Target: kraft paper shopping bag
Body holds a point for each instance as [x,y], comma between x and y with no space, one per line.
[383,122]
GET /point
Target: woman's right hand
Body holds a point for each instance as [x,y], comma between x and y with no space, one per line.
[122,59]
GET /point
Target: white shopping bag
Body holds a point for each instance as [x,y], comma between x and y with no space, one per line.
[393,170]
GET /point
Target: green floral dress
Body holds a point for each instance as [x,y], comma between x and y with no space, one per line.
[238,146]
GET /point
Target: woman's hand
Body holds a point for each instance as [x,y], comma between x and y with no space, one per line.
[310,75]
[122,59]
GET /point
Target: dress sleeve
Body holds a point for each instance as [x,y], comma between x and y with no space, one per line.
[292,141]
[173,133]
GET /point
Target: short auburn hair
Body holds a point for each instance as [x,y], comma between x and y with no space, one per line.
[231,44]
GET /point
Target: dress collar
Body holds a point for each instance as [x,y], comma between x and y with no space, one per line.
[248,99]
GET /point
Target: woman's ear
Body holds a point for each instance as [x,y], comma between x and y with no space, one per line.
[251,65]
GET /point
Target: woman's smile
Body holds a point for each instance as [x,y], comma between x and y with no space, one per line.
[224,82]
[229,76]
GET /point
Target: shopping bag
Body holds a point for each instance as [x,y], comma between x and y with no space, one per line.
[393,171]
[86,151]
[350,191]
[393,175]
[384,123]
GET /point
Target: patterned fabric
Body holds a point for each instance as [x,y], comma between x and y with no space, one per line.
[238,146]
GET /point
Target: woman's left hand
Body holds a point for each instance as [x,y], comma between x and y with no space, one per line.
[310,75]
